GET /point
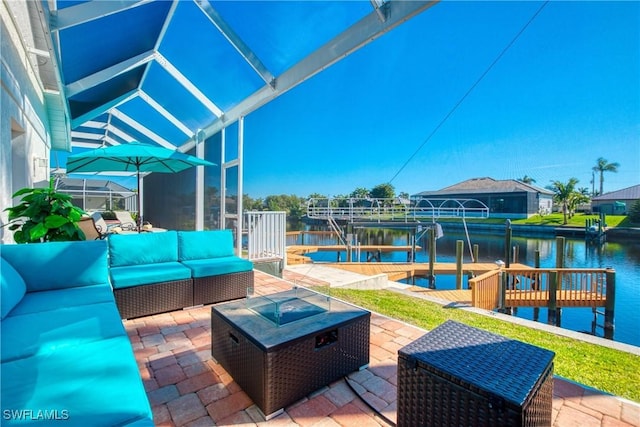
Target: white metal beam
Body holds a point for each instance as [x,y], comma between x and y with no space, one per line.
[94,124]
[121,134]
[110,140]
[85,144]
[164,113]
[108,73]
[89,115]
[89,11]
[143,130]
[227,31]
[87,135]
[186,83]
[358,35]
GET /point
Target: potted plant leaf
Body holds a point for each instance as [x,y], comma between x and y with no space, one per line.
[44,215]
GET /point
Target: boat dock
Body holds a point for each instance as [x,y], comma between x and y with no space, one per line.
[402,271]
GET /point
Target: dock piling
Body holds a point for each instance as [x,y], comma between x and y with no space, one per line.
[611,301]
[459,250]
[507,244]
[560,244]
[553,287]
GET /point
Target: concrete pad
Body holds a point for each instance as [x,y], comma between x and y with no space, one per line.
[340,278]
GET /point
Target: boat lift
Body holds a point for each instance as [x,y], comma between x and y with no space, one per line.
[418,216]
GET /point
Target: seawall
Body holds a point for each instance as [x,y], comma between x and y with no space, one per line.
[613,234]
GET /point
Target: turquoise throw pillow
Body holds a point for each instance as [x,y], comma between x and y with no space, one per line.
[13,287]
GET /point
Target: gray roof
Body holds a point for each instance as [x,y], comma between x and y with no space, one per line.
[92,185]
[487,185]
[630,193]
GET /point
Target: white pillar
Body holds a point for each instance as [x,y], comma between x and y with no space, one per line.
[199,181]
[240,216]
[223,182]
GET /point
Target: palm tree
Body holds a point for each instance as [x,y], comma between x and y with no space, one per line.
[564,192]
[602,166]
[527,179]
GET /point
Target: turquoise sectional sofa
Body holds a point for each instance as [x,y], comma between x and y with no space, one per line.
[218,275]
[158,272]
[66,358]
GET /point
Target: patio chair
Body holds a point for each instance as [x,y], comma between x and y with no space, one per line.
[127,223]
[91,232]
[100,223]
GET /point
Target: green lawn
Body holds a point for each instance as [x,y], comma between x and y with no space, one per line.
[555,220]
[578,220]
[603,368]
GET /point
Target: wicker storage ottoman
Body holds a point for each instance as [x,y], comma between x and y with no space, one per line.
[279,365]
[457,375]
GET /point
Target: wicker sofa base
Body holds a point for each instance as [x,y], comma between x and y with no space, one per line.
[144,300]
[225,287]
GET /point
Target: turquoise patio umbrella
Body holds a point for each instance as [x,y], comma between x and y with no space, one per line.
[133,157]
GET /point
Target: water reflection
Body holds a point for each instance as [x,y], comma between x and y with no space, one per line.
[623,256]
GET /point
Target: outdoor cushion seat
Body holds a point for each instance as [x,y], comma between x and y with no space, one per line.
[146,275]
[39,302]
[66,357]
[218,266]
[95,384]
[136,275]
[218,274]
[42,334]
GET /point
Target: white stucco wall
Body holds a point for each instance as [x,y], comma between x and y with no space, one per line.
[24,136]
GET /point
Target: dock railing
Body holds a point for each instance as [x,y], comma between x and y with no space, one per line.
[552,288]
[394,209]
[485,290]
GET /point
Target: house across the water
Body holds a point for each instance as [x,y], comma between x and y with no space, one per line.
[616,202]
[507,198]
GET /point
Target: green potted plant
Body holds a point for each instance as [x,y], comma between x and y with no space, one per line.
[44,215]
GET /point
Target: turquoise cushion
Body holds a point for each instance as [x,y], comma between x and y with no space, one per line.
[97,384]
[217,266]
[142,248]
[60,265]
[136,275]
[205,244]
[66,328]
[38,302]
[13,287]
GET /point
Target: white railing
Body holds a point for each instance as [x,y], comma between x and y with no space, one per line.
[266,238]
[394,209]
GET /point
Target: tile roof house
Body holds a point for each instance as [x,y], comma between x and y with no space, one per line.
[505,198]
[616,202]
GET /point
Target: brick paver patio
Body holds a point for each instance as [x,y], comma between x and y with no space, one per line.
[186,387]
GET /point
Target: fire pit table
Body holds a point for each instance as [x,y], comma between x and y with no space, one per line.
[283,346]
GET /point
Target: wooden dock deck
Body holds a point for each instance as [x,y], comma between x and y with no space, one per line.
[400,271]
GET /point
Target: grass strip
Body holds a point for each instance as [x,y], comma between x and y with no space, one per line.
[603,368]
[554,219]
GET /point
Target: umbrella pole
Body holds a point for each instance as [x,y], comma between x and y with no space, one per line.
[139,216]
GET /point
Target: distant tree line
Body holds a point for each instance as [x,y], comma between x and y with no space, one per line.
[566,194]
[296,207]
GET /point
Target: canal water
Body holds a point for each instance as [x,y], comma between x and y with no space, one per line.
[623,256]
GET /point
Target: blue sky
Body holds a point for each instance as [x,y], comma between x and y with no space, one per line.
[565,93]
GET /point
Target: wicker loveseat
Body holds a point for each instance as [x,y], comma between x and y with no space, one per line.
[157,272]
[66,357]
